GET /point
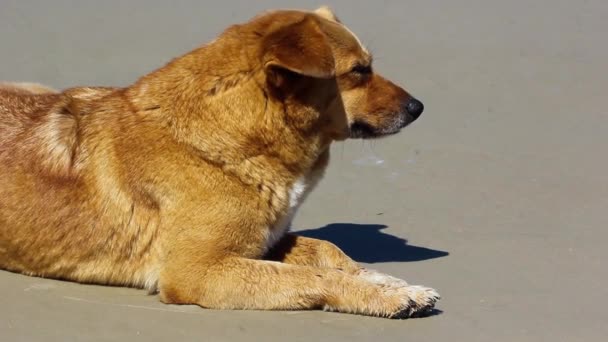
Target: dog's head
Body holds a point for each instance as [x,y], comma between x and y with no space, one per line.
[299,47]
[285,83]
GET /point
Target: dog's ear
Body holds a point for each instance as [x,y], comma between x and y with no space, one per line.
[301,48]
[327,13]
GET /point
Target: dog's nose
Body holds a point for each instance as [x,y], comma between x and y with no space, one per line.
[414,108]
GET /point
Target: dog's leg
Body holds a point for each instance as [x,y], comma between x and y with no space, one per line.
[299,250]
[239,283]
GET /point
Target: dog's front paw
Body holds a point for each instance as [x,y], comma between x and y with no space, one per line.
[411,301]
[417,301]
[376,294]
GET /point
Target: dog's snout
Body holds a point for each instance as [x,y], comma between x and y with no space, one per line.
[414,108]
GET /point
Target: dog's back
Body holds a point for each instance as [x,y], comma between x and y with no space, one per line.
[25,106]
[26,88]
[19,107]
[42,184]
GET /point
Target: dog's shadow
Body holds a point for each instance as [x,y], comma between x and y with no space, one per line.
[367,243]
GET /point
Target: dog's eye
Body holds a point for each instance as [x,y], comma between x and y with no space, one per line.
[361,69]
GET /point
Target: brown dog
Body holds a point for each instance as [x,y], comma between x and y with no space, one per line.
[186,182]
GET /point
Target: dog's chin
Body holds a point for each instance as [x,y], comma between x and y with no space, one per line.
[363,130]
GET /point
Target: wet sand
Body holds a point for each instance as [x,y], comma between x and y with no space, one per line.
[496,196]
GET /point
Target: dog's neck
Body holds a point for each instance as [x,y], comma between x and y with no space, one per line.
[229,119]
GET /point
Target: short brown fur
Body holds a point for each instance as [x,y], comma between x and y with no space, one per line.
[185,183]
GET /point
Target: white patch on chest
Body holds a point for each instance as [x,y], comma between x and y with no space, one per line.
[296,197]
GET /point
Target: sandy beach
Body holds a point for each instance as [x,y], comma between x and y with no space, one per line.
[497,196]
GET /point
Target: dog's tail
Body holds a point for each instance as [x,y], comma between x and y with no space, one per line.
[27,88]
